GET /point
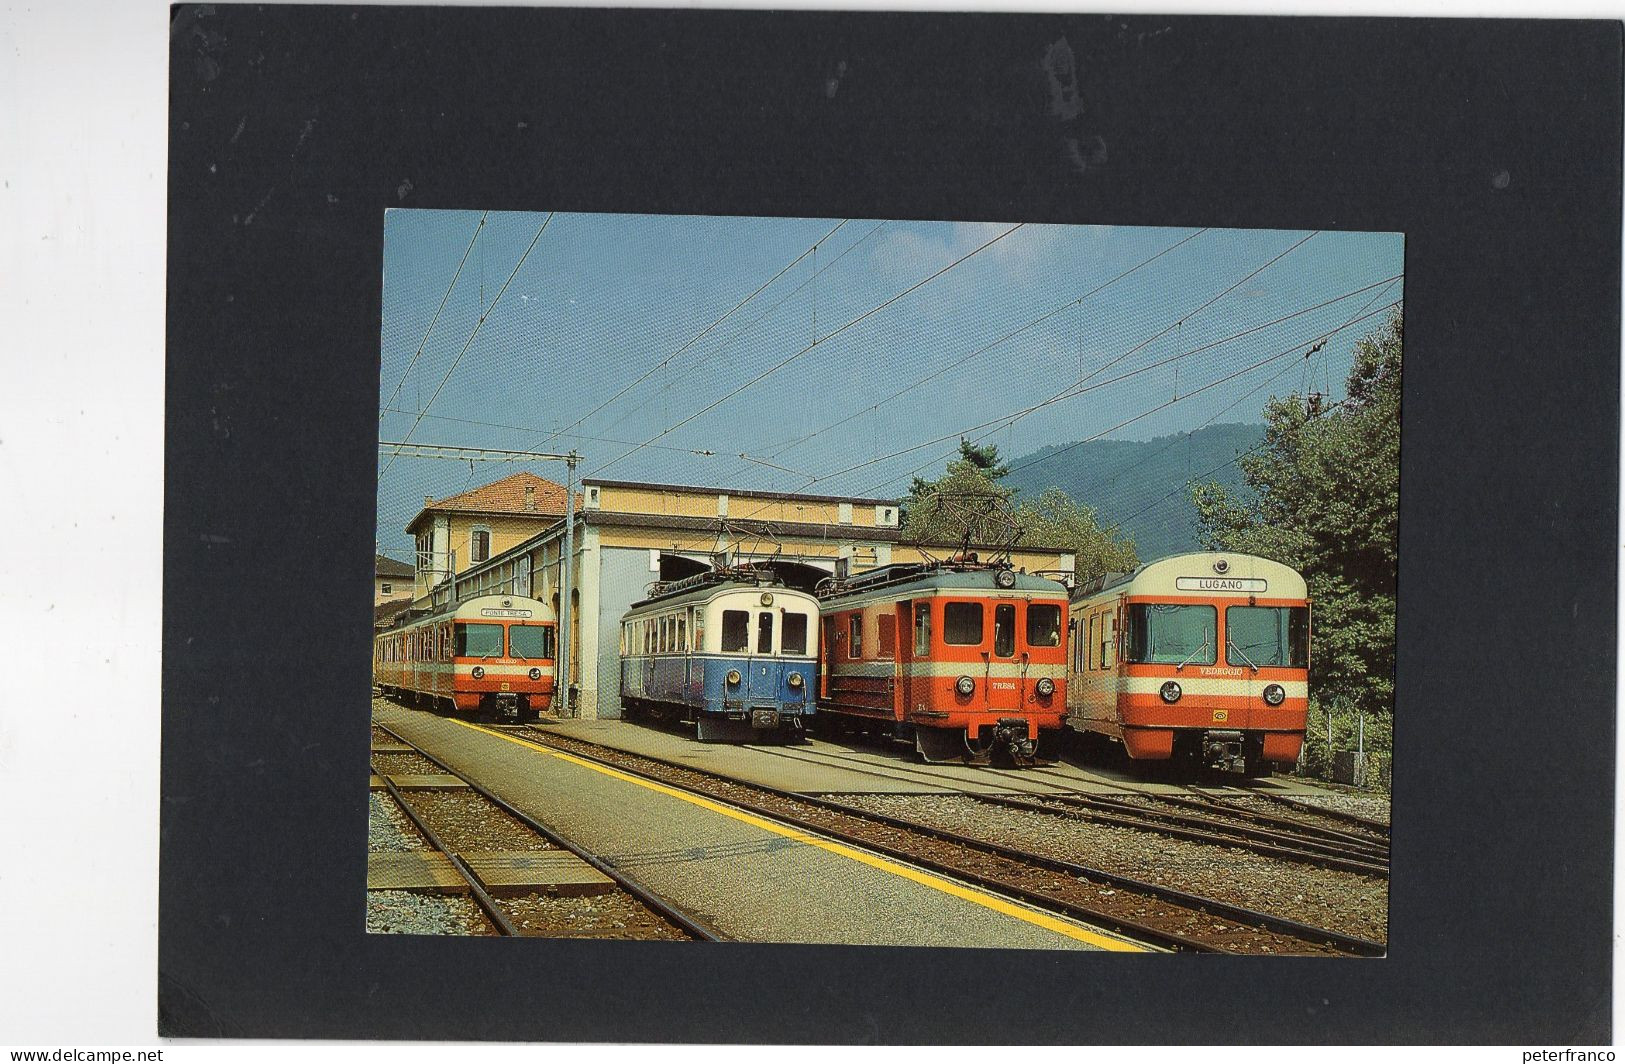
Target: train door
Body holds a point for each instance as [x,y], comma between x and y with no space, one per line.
[913,653]
[1006,672]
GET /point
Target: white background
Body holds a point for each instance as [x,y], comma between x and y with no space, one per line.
[83,111]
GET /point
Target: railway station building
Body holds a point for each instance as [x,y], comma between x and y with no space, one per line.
[630,535]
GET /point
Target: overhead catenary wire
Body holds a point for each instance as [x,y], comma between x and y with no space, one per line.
[1073,391]
[1290,350]
[1080,385]
[697,337]
[432,321]
[1074,302]
[797,354]
[756,320]
[480,324]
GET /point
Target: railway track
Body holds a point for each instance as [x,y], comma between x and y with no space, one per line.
[496,909]
[1151,913]
[1215,824]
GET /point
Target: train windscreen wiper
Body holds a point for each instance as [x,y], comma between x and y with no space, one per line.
[1192,655]
[1232,648]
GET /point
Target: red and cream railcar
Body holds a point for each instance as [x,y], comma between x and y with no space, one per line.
[492,654]
[968,660]
[1196,657]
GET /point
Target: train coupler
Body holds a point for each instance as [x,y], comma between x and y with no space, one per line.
[1223,749]
[1011,734]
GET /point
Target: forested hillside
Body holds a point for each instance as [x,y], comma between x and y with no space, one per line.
[1141,486]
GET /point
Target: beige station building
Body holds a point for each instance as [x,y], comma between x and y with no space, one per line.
[507,536]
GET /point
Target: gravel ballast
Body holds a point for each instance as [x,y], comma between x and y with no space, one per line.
[388,829]
[1340,901]
[404,912]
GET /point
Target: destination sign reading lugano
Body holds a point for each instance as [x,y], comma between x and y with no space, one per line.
[491,611]
[1221,583]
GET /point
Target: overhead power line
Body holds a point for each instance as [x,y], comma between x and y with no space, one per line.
[697,337]
[825,339]
[474,333]
[424,342]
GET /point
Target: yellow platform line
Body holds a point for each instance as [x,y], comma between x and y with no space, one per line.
[884,864]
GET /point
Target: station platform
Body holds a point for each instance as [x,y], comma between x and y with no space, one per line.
[753,879]
[821,766]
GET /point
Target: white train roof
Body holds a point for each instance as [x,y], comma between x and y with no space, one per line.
[1202,574]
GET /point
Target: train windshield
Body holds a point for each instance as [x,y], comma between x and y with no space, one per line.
[1166,634]
[795,633]
[479,641]
[531,641]
[1267,635]
[735,632]
[1043,625]
[962,624]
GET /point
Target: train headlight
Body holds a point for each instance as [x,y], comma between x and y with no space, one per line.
[1171,692]
[965,686]
[794,680]
[1005,578]
[535,674]
[1046,686]
[479,672]
[733,677]
[1275,694]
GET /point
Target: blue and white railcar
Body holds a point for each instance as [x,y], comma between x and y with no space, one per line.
[735,652]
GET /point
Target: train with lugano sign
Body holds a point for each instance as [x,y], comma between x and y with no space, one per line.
[965,659]
[1197,658]
[731,650]
[492,655]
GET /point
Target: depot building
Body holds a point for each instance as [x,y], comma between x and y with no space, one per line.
[508,537]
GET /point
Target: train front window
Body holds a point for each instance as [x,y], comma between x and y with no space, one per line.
[764,633]
[962,624]
[795,633]
[1043,625]
[531,641]
[479,640]
[1267,635]
[1166,634]
[735,632]
[1004,630]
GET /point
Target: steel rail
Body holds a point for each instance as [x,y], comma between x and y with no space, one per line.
[1224,818]
[1330,814]
[1084,809]
[691,924]
[493,911]
[1213,804]
[1236,914]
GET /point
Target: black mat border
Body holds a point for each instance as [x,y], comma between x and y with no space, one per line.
[1494,146]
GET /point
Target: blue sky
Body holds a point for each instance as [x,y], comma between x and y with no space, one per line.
[616,332]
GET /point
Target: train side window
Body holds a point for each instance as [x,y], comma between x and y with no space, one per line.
[1004,630]
[962,624]
[922,628]
[886,646]
[764,632]
[682,634]
[854,647]
[794,636]
[735,632]
[1106,621]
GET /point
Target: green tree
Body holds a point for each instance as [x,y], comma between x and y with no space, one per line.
[1056,520]
[1325,500]
[967,504]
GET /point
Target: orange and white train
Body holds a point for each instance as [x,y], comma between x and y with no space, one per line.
[493,654]
[1201,658]
[968,660]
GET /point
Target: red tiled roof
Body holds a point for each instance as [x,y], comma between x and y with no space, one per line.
[505,496]
[389,567]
